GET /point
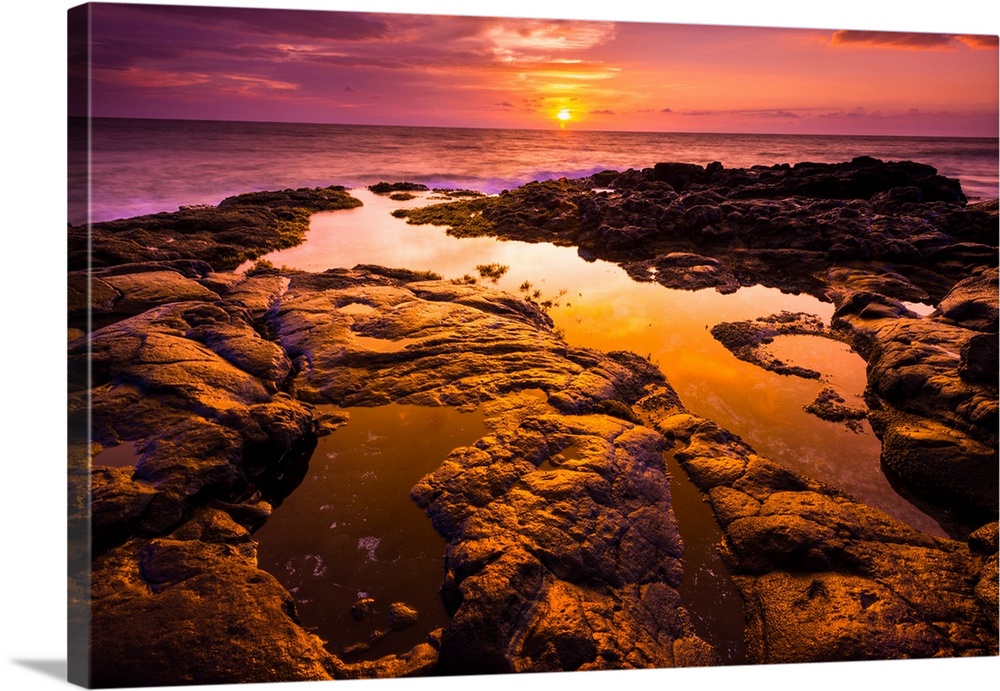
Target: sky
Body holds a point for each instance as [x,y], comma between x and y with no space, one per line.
[223,63]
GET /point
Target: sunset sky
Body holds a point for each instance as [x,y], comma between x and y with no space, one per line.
[337,67]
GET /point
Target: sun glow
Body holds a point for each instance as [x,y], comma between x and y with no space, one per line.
[564,115]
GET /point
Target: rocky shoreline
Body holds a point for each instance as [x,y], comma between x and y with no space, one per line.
[562,548]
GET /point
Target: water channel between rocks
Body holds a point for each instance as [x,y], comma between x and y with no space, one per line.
[595,304]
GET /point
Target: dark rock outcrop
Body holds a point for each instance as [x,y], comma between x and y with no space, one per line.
[779,226]
[239,228]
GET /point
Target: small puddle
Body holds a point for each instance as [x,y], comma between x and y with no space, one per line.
[384,345]
[349,536]
[707,590]
[920,308]
[121,455]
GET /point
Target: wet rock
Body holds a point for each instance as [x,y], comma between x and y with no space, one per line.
[748,340]
[141,291]
[571,568]
[830,405]
[972,303]
[420,661]
[939,462]
[326,423]
[883,282]
[201,416]
[825,577]
[402,616]
[467,344]
[935,412]
[978,359]
[389,187]
[574,565]
[226,612]
[363,608]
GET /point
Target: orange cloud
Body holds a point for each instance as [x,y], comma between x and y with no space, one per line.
[979,42]
[155,79]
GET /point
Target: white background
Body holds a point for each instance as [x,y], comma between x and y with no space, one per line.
[32,371]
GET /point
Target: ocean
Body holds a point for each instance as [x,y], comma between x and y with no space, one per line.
[146,166]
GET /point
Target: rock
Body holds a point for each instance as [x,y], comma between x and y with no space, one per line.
[748,340]
[940,462]
[420,661]
[978,359]
[871,215]
[972,303]
[239,228]
[983,543]
[141,291]
[827,578]
[986,539]
[200,415]
[387,188]
[223,612]
[830,405]
[402,616]
[362,609]
[468,343]
[572,568]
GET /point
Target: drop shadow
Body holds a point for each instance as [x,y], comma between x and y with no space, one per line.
[57,669]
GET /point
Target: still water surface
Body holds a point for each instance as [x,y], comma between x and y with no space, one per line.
[349,532]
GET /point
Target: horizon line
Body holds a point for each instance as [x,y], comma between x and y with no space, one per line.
[539,129]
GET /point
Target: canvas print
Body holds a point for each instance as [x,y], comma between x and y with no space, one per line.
[413,345]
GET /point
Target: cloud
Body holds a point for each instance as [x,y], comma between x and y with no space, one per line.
[666,110]
[769,113]
[350,89]
[344,26]
[979,42]
[602,112]
[911,41]
[504,104]
[246,83]
[514,40]
[757,113]
[154,79]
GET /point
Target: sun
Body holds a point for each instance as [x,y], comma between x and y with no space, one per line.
[564,114]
